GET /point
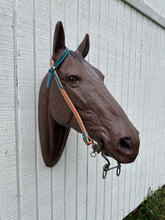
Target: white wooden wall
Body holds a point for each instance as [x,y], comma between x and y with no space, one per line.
[157,5]
[130,50]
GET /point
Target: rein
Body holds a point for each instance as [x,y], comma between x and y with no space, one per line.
[88,141]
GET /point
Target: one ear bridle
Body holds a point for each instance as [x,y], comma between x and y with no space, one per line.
[88,141]
[52,71]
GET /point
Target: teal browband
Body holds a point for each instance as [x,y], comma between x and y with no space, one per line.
[51,70]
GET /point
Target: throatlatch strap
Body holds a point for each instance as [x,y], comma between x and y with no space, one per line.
[52,71]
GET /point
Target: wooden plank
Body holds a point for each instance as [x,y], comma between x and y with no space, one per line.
[148,85]
[41,64]
[152,105]
[9,201]
[26,96]
[159,90]
[143,109]
[153,94]
[162,131]
[132,102]
[125,93]
[137,104]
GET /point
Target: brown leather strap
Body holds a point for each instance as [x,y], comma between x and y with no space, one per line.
[86,137]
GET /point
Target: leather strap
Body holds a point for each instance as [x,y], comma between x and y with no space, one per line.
[53,72]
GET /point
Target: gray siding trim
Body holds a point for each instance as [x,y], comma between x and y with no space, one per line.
[146,10]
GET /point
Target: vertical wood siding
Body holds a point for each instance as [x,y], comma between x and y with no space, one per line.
[130,50]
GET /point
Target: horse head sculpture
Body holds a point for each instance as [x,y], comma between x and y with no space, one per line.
[103,117]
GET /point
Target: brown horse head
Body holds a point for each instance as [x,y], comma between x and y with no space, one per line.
[103,117]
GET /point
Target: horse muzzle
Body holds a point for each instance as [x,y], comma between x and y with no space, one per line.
[124,149]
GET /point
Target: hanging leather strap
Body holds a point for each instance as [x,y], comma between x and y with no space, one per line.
[53,72]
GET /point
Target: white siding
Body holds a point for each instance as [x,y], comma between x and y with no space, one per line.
[130,50]
[9,177]
[158,5]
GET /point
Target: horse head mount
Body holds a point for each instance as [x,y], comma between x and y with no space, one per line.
[73,95]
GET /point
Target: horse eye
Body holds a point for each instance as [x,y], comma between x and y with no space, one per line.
[72,78]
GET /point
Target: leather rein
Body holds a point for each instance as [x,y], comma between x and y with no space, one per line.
[88,141]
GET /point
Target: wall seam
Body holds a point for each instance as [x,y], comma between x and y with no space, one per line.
[16,103]
[35,104]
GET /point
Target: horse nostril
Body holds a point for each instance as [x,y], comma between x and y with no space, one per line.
[124,143]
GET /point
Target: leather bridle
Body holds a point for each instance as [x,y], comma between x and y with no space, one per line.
[88,141]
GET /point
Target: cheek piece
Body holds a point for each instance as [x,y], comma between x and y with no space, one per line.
[88,141]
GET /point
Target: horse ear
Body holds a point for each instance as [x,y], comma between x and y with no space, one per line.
[83,48]
[53,136]
[59,38]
